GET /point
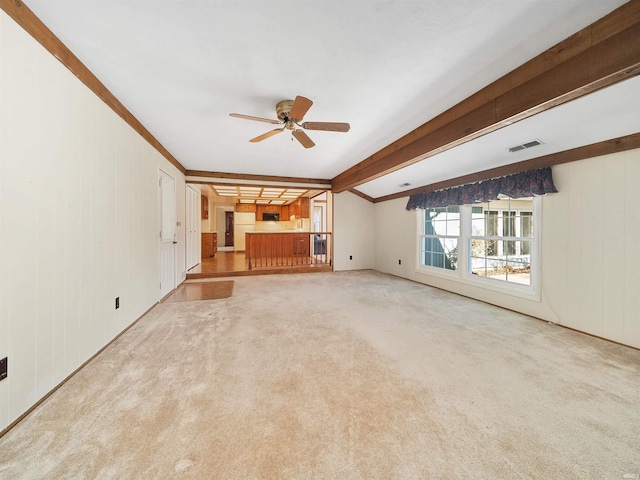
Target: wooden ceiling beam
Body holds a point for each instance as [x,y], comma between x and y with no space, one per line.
[606,147]
[362,195]
[600,55]
[258,178]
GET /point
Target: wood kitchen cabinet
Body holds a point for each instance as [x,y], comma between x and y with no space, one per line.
[304,207]
[260,209]
[245,207]
[294,209]
[301,244]
[209,244]
[300,208]
[204,210]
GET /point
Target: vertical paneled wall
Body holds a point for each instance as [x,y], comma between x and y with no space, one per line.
[353,232]
[78,222]
[590,234]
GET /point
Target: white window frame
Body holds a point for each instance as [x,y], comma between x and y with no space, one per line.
[462,274]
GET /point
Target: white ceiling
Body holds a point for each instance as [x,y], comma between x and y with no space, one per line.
[609,113]
[384,66]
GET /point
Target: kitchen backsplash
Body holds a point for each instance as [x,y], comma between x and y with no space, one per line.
[283,226]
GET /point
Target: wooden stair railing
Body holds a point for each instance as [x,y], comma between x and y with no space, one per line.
[288,249]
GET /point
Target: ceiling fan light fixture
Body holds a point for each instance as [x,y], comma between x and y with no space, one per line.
[290,114]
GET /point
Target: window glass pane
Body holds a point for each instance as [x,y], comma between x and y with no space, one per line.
[518,271]
[478,248]
[526,222]
[429,219]
[491,223]
[442,221]
[439,228]
[478,265]
[491,230]
[477,221]
[508,229]
[451,253]
[509,224]
[428,244]
[453,227]
[440,252]
[497,269]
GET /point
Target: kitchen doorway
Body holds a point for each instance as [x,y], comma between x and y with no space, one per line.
[228,229]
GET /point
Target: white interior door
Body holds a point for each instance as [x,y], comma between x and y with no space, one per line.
[193,227]
[167,196]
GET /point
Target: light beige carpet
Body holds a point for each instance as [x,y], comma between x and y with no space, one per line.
[352,375]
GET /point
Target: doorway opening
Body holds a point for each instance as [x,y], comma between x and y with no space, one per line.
[228,229]
[298,211]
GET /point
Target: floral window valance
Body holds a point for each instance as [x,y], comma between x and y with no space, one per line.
[519,185]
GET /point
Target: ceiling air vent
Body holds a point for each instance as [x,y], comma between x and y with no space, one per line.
[529,144]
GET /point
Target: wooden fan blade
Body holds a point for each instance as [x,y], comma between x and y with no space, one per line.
[329,126]
[303,138]
[301,105]
[266,135]
[258,119]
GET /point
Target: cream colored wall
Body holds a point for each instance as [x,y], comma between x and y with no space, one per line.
[209,224]
[590,259]
[221,223]
[79,222]
[353,232]
[329,212]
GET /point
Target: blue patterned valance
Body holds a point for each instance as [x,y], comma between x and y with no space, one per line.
[519,185]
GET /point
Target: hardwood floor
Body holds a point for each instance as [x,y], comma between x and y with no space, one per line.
[230,264]
[211,290]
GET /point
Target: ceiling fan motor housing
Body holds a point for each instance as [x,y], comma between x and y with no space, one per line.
[283,109]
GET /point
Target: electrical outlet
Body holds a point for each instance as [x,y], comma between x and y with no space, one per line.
[4,363]
[350,257]
[117,303]
[399,262]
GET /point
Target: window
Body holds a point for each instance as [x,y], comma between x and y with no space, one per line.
[500,240]
[440,240]
[486,243]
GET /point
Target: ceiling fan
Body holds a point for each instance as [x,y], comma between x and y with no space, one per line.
[290,114]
